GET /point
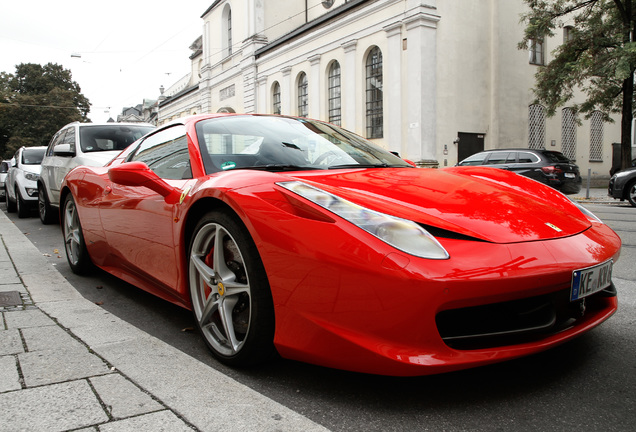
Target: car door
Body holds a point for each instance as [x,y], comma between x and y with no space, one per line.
[48,167]
[138,222]
[62,162]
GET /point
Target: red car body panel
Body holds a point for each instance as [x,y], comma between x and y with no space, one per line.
[342,297]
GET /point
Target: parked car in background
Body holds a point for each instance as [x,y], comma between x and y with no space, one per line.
[4,170]
[546,166]
[78,144]
[622,185]
[21,188]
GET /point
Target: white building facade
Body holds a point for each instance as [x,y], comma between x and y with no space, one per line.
[435,80]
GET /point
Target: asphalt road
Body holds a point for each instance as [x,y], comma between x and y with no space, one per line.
[588,384]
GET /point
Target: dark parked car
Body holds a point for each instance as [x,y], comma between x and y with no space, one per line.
[546,166]
[622,185]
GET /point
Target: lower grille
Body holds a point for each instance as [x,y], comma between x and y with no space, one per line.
[514,322]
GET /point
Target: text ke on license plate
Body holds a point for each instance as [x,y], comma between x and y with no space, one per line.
[591,280]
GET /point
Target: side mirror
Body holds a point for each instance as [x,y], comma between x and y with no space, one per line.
[138,174]
[63,150]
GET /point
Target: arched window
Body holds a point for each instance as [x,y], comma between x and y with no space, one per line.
[568,133]
[536,127]
[374,106]
[303,99]
[226,29]
[333,86]
[276,109]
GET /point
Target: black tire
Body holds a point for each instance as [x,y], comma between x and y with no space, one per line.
[22,207]
[76,252]
[10,204]
[237,285]
[630,193]
[47,214]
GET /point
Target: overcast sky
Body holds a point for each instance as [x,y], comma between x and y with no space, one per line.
[128,48]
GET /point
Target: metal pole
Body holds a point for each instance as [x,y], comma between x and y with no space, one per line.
[589,175]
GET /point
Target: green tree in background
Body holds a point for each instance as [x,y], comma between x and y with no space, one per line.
[598,58]
[35,102]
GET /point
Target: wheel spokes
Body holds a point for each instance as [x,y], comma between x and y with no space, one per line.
[220,288]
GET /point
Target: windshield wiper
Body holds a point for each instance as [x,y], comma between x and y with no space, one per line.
[280,167]
[382,165]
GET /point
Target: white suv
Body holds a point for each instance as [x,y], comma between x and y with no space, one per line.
[21,191]
[80,144]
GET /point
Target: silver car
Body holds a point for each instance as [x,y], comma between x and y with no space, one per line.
[21,190]
[78,144]
[4,170]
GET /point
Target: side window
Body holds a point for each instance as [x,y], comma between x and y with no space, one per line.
[57,139]
[69,138]
[476,159]
[498,158]
[527,158]
[166,153]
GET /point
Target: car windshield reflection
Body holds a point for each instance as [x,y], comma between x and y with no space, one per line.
[281,144]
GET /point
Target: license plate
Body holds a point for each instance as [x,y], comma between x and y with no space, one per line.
[591,280]
[570,175]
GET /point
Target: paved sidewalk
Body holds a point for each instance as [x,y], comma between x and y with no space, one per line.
[67,364]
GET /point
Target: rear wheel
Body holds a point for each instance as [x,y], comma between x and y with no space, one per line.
[631,193]
[231,298]
[76,253]
[47,216]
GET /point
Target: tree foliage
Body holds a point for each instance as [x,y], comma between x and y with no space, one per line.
[35,102]
[598,59]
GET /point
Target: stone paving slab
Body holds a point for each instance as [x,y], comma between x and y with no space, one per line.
[164,421]
[122,398]
[53,408]
[9,377]
[59,365]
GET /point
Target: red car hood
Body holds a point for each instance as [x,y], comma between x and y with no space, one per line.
[485,203]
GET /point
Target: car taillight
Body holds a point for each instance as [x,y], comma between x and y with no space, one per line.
[551,170]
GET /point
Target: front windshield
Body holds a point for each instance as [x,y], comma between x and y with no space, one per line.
[96,138]
[33,156]
[279,143]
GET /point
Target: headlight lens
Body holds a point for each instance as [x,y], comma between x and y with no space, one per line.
[31,176]
[591,216]
[402,234]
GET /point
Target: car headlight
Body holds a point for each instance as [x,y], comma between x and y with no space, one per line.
[31,176]
[588,214]
[402,234]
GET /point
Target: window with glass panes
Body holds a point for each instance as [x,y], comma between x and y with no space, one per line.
[334,93]
[374,106]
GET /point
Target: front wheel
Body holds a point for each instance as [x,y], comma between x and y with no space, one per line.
[76,253]
[23,208]
[10,204]
[631,193]
[231,298]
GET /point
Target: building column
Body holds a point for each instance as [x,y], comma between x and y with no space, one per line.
[261,95]
[348,77]
[313,87]
[421,88]
[285,91]
[392,82]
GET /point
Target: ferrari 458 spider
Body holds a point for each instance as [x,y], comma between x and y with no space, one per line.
[293,236]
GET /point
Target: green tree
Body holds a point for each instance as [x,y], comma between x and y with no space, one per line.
[35,102]
[598,59]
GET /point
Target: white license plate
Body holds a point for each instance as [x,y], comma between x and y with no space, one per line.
[591,280]
[570,175]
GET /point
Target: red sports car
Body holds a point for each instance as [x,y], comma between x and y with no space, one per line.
[295,236]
